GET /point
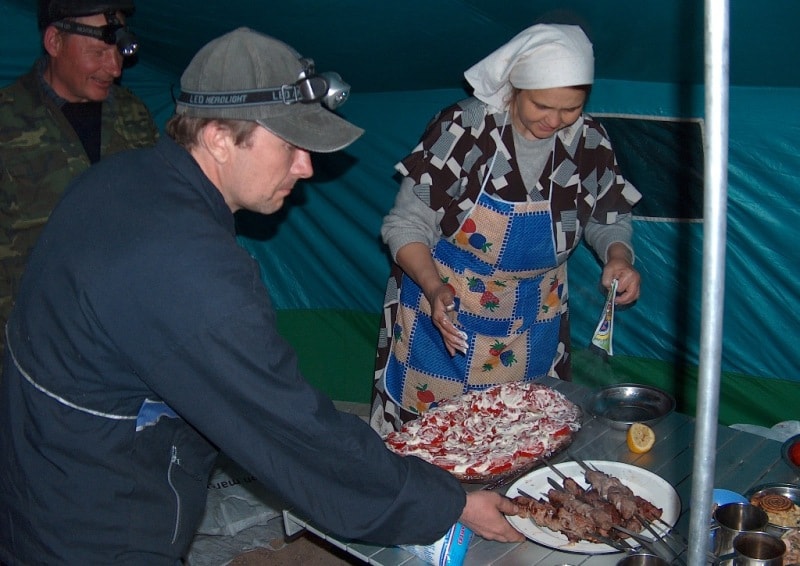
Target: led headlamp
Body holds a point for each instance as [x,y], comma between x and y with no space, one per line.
[113,33]
[327,88]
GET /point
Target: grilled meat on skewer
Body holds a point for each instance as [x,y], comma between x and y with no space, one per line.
[572,525]
[595,499]
[621,496]
[591,514]
[603,521]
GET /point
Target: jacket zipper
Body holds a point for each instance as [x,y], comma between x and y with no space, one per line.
[175,461]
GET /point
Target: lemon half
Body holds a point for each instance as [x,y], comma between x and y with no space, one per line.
[640,438]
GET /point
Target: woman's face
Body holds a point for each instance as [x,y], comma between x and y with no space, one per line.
[541,113]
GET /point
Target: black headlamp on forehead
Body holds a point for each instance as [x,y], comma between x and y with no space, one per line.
[326,88]
[113,33]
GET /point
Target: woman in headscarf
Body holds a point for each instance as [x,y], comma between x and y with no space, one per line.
[500,190]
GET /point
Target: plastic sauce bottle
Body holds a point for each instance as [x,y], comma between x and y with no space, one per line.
[449,550]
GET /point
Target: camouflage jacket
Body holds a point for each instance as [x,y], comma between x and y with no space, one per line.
[39,154]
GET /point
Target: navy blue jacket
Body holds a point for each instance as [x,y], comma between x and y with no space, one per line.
[142,341]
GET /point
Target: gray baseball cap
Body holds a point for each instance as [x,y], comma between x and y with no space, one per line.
[247,75]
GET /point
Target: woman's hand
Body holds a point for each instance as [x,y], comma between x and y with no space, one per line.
[619,267]
[443,314]
[485,513]
[416,260]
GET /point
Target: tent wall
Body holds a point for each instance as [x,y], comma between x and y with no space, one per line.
[326,267]
[656,341]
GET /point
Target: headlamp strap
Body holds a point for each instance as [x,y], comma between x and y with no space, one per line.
[287,94]
[305,90]
[113,33]
[83,29]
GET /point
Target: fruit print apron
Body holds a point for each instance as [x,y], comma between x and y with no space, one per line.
[502,264]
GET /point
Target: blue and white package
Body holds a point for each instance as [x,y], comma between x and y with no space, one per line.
[449,550]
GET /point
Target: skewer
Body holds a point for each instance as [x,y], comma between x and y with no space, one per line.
[667,532]
[666,526]
[583,464]
[556,485]
[661,538]
[620,544]
[558,472]
[677,537]
[644,541]
[649,526]
[528,495]
[643,520]
[658,537]
[589,468]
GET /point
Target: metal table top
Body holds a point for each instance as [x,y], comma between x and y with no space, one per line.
[743,461]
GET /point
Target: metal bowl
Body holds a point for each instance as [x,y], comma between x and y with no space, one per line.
[627,403]
[785,452]
[787,490]
[642,559]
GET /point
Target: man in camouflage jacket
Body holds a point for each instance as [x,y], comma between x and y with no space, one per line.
[66,113]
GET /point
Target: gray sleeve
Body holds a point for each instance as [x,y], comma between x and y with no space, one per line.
[410,219]
[601,236]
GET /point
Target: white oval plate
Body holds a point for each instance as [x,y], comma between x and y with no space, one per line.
[642,482]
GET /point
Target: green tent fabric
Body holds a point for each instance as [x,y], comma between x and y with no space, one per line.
[322,256]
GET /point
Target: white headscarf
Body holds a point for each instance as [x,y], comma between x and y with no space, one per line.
[542,56]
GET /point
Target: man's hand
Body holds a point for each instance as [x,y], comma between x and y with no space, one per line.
[485,513]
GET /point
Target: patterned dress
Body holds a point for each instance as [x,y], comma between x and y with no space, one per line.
[503,248]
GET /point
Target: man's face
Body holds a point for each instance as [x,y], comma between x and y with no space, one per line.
[260,175]
[81,68]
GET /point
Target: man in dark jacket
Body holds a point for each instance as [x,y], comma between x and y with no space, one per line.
[143,341]
[63,115]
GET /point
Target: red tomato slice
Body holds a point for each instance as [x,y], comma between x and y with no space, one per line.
[563,431]
[444,464]
[470,471]
[498,468]
[396,444]
[525,454]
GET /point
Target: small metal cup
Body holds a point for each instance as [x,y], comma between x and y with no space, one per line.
[733,519]
[758,549]
[642,559]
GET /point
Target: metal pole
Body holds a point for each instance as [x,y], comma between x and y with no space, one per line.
[714,238]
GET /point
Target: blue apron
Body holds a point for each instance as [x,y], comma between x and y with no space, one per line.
[502,264]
